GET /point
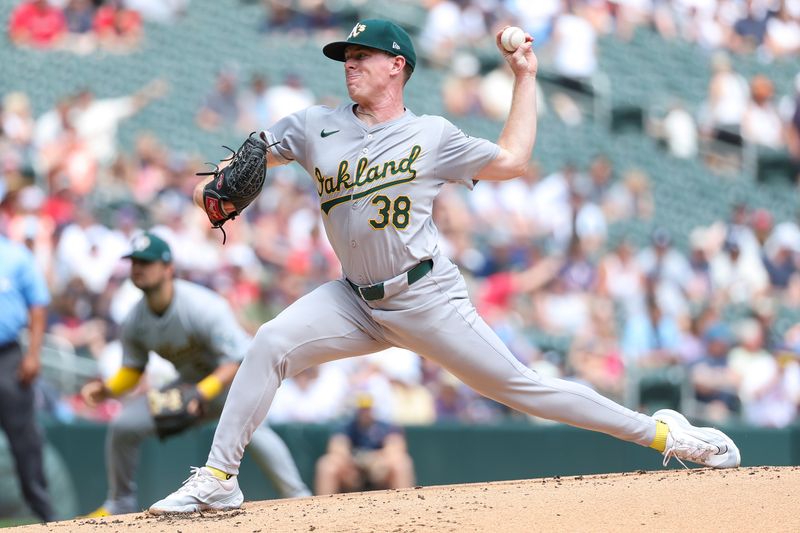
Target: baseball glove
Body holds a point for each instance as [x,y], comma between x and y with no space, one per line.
[238,183]
[175,409]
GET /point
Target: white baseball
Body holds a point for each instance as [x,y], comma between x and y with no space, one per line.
[512,37]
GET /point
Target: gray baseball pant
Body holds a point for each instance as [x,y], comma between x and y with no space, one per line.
[434,318]
[135,423]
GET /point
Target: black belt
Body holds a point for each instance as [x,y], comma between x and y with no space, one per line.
[376,292]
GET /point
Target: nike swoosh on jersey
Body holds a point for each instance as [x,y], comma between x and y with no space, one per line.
[324,133]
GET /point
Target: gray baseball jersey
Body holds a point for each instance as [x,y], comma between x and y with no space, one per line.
[377,184]
[376,187]
[195,342]
[197,333]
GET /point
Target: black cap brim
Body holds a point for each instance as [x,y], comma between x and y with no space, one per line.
[335,50]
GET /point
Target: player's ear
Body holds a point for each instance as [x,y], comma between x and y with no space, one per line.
[398,65]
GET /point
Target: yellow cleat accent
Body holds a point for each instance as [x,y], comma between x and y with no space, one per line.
[100,512]
[219,474]
[660,441]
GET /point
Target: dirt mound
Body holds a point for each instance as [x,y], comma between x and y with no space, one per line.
[746,499]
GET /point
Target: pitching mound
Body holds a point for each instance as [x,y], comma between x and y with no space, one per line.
[747,499]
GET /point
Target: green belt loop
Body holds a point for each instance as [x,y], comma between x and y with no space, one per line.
[373,292]
[376,292]
[416,273]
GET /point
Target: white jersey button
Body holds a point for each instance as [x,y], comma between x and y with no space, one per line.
[353,244]
[369,136]
[364,151]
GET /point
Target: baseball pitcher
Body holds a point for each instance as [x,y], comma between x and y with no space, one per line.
[196,331]
[377,168]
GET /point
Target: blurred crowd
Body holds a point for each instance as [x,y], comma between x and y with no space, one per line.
[770,28]
[547,266]
[737,111]
[456,35]
[85,26]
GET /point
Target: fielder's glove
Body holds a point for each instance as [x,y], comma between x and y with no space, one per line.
[175,409]
[238,183]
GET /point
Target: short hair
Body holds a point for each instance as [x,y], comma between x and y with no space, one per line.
[407,69]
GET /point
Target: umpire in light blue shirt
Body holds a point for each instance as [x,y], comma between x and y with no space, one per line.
[23,303]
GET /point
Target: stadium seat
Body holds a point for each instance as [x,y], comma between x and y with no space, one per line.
[658,388]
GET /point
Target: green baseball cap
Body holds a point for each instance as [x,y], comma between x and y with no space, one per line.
[149,247]
[375,33]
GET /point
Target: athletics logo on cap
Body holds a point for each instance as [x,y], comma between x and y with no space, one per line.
[358,28]
[375,33]
[141,243]
[150,247]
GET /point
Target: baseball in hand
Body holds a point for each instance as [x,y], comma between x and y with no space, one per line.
[512,37]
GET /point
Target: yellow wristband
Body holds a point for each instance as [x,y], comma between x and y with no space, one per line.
[124,380]
[210,387]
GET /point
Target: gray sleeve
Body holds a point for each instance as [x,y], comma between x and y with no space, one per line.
[223,334]
[134,354]
[290,134]
[462,157]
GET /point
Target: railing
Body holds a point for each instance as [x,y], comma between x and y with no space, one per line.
[61,365]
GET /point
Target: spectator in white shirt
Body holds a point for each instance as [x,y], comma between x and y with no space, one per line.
[97,120]
[761,123]
[287,98]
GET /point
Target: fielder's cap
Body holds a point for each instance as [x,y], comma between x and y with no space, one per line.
[375,33]
[149,247]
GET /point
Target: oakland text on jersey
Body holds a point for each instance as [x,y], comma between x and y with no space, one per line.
[185,355]
[364,175]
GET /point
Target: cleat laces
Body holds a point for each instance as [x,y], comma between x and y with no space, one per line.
[695,450]
[192,481]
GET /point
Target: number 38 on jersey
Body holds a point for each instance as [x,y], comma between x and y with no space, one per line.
[391,211]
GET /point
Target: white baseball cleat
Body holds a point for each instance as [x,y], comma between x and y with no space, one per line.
[705,446]
[203,491]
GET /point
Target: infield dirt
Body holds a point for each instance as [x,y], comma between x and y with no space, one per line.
[746,499]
